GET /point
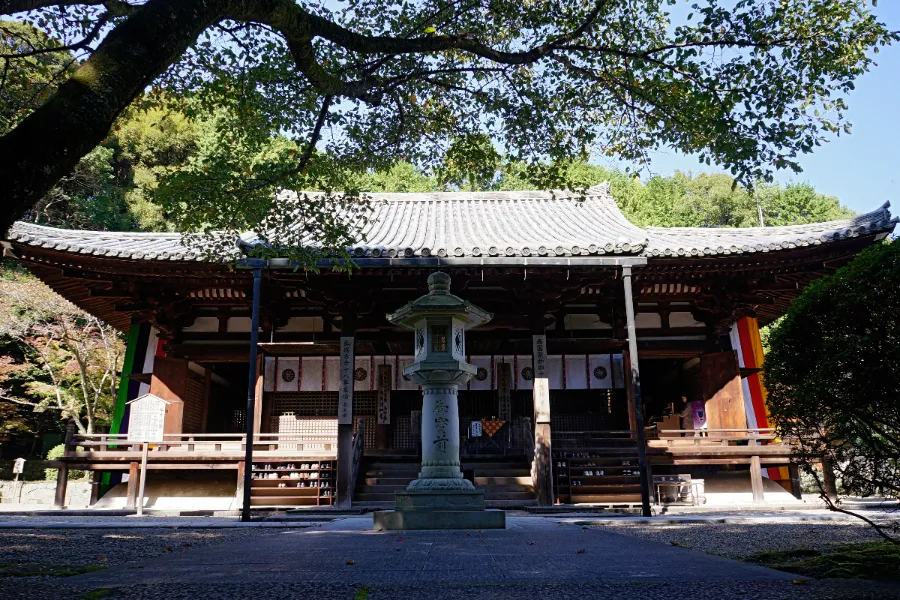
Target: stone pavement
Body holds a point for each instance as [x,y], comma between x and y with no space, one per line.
[528,551]
[533,558]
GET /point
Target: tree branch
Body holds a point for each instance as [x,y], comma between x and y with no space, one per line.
[49,142]
[295,23]
[90,37]
[9,7]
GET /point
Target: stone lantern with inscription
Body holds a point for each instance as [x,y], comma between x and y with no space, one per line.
[440,498]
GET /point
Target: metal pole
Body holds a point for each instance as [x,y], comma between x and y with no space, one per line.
[142,475]
[636,391]
[251,396]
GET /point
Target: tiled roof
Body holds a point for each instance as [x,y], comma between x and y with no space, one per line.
[493,224]
[700,241]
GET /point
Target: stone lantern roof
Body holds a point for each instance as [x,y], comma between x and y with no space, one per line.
[439,302]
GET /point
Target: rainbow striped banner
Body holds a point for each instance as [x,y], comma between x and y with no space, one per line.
[745,339]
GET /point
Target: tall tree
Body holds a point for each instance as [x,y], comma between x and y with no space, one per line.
[69,361]
[751,85]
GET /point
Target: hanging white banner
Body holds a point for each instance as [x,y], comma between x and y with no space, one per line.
[288,375]
[576,372]
[482,379]
[601,372]
[524,372]
[269,374]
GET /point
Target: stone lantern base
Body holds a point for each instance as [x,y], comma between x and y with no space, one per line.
[439,509]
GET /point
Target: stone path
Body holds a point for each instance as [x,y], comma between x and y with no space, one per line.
[544,558]
[529,551]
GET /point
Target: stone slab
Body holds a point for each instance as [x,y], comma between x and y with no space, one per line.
[452,500]
[401,520]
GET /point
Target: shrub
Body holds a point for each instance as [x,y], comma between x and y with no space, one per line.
[56,453]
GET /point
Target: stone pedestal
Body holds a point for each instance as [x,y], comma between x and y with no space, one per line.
[440,509]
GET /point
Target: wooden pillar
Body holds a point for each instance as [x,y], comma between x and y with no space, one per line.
[542,465]
[62,475]
[646,488]
[756,481]
[829,480]
[131,495]
[96,478]
[239,491]
[796,487]
[62,483]
[344,495]
[629,393]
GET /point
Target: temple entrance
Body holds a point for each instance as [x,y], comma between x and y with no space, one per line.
[227,405]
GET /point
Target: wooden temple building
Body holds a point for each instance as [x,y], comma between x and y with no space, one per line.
[648,339]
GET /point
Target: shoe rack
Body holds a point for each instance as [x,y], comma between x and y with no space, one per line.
[306,482]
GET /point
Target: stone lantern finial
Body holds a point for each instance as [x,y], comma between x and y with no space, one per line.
[438,283]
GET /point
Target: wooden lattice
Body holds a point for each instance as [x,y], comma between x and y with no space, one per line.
[291,412]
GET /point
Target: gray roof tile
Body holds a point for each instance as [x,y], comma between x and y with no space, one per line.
[497,224]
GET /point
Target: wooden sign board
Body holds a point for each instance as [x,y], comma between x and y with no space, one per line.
[147,420]
[384,382]
[541,391]
[345,389]
[504,392]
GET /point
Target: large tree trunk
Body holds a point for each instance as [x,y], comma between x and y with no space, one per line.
[49,143]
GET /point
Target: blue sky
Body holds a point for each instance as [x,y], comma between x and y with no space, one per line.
[863,168]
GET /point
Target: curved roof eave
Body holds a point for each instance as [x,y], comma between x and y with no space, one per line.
[478,228]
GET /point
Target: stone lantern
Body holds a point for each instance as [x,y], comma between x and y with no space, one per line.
[440,498]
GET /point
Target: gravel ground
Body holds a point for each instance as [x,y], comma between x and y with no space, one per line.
[742,540]
[110,547]
[718,590]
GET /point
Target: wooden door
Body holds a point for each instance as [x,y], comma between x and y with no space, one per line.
[720,378]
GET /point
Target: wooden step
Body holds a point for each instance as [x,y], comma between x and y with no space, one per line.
[289,501]
[519,480]
[409,475]
[391,466]
[606,499]
[506,488]
[385,481]
[510,504]
[508,495]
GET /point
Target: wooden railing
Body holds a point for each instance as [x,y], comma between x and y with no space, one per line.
[202,444]
[565,440]
[761,436]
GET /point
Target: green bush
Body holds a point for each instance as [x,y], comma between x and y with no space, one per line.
[56,453]
[34,470]
[832,372]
